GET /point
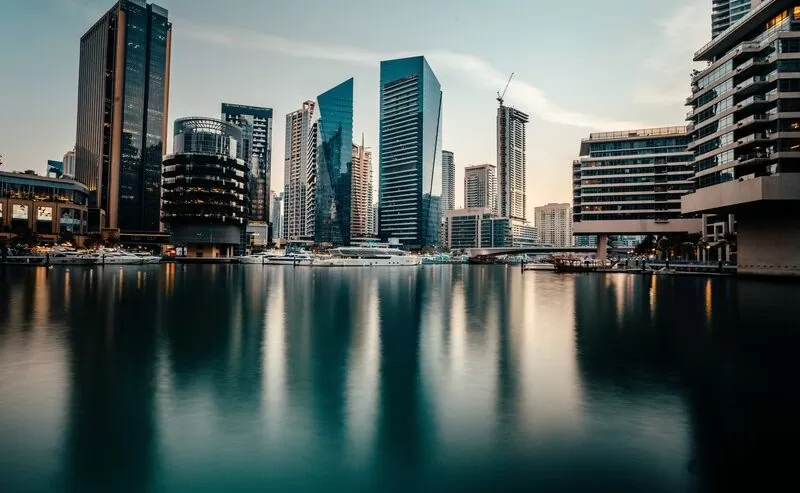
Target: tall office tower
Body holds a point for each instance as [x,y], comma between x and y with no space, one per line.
[725,13]
[334,187]
[298,125]
[256,125]
[275,214]
[312,156]
[69,164]
[448,181]
[554,224]
[361,203]
[480,187]
[511,172]
[410,148]
[123,96]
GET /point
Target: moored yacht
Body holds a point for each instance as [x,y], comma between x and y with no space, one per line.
[112,256]
[68,256]
[368,256]
[258,258]
[295,258]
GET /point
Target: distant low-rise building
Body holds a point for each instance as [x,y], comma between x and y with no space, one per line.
[479,227]
[49,207]
[554,224]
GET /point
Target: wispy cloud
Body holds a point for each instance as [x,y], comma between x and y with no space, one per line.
[474,70]
[666,70]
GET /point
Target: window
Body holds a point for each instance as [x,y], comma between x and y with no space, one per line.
[779,18]
[796,12]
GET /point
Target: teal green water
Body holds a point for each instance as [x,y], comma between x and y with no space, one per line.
[443,378]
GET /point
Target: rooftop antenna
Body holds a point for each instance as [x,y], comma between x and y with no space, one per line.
[501,96]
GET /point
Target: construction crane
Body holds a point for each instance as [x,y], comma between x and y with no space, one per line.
[501,96]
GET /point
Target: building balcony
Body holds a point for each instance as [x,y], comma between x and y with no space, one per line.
[729,196]
[753,63]
[751,85]
[755,138]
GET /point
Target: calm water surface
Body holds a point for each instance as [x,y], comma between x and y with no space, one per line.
[444,378]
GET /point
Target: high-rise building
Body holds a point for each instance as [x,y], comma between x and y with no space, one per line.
[55,169]
[361,203]
[373,225]
[208,219]
[631,182]
[69,164]
[448,181]
[275,214]
[554,224]
[410,151]
[256,125]
[725,13]
[480,187]
[298,126]
[511,165]
[333,187]
[312,156]
[123,97]
[745,134]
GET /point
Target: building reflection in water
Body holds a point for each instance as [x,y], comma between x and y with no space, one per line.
[470,378]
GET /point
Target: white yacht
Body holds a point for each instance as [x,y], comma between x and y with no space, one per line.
[298,258]
[258,258]
[66,256]
[368,256]
[110,256]
[148,258]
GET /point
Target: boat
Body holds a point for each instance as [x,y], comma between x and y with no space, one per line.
[69,257]
[575,265]
[368,256]
[538,266]
[148,258]
[295,258]
[110,256]
[258,258]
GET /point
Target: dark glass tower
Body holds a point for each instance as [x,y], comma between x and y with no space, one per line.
[410,152]
[334,165]
[256,125]
[123,94]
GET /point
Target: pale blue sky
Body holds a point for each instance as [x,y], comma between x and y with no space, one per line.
[581,66]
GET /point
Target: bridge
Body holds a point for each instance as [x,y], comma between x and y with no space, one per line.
[540,250]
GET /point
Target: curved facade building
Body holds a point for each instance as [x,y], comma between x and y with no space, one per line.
[204,202]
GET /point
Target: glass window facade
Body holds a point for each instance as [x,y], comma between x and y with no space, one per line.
[256,125]
[122,88]
[333,183]
[638,175]
[410,152]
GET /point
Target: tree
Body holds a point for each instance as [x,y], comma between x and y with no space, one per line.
[26,237]
[112,240]
[646,246]
[66,236]
[93,240]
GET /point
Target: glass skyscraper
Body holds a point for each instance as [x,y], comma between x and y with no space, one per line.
[333,186]
[256,125]
[123,94]
[410,152]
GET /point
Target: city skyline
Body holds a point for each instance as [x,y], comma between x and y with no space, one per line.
[560,112]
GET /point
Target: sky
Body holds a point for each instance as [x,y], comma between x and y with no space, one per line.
[581,66]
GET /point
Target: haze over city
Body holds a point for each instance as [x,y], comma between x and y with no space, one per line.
[579,67]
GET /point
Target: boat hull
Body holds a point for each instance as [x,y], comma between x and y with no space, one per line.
[393,261]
